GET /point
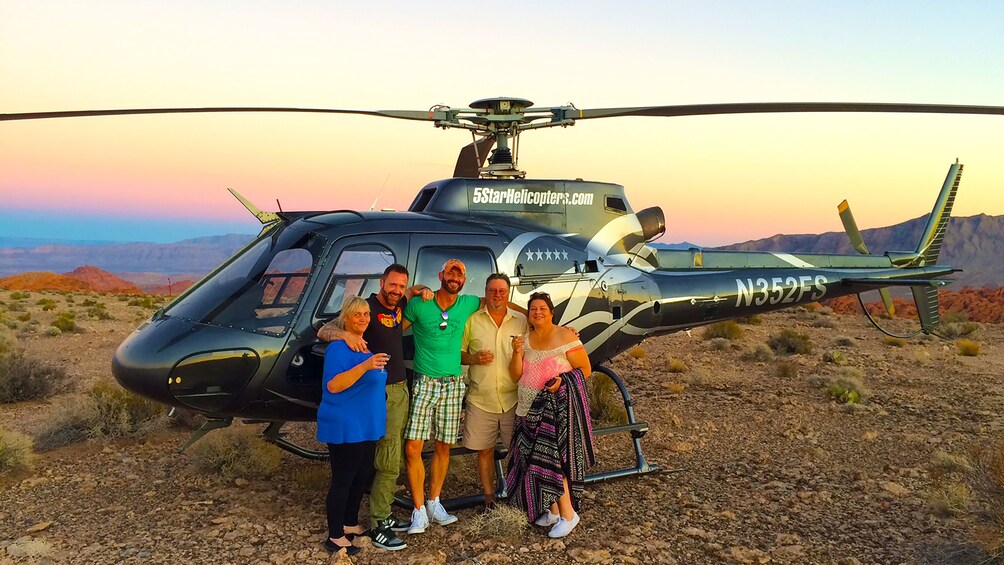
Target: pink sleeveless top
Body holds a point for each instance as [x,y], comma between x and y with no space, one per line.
[539,366]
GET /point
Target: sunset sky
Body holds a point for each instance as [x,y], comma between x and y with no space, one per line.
[719,179]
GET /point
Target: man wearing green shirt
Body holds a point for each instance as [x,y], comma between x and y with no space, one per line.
[438,389]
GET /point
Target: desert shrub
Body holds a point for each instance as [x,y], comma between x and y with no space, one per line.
[789,342]
[824,310]
[185,418]
[8,342]
[314,478]
[967,347]
[26,378]
[954,317]
[986,478]
[502,521]
[953,330]
[89,302]
[728,329]
[835,357]
[754,320]
[760,352]
[236,452]
[10,324]
[824,322]
[636,352]
[24,317]
[65,322]
[675,388]
[893,341]
[846,387]
[16,306]
[16,453]
[68,420]
[145,301]
[122,297]
[674,365]
[606,405]
[718,343]
[19,295]
[120,412]
[786,370]
[53,331]
[99,312]
[952,499]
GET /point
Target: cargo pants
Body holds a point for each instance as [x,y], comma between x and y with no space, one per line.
[389,449]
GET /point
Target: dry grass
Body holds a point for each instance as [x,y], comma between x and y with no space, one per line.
[26,378]
[105,411]
[8,341]
[845,387]
[967,347]
[728,329]
[314,477]
[892,341]
[835,357]
[790,342]
[675,388]
[760,353]
[16,453]
[986,479]
[674,365]
[786,370]
[637,352]
[718,344]
[502,521]
[236,452]
[606,405]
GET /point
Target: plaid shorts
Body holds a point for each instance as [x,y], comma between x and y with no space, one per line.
[439,401]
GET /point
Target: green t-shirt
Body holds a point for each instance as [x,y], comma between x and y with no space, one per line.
[437,351]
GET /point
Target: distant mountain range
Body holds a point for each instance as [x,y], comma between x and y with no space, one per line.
[974,244]
[198,256]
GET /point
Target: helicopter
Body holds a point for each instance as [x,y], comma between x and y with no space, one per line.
[242,341]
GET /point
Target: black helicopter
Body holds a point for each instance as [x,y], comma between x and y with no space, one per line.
[239,342]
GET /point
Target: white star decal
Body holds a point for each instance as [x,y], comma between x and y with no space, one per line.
[547,254]
[529,255]
[564,255]
[540,255]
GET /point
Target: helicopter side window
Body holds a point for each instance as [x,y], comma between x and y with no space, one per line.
[479,262]
[357,273]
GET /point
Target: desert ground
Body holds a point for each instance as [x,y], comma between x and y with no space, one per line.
[761,461]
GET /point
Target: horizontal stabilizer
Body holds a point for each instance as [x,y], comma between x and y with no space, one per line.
[882,283]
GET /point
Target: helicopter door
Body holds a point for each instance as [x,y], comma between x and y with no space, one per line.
[358,266]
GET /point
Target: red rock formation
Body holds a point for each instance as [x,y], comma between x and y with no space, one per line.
[98,280]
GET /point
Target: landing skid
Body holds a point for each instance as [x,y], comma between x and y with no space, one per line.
[635,428]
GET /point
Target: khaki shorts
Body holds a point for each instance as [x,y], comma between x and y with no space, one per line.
[483,429]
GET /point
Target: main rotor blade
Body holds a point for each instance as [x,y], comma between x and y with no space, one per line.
[774,107]
[472,157]
[429,115]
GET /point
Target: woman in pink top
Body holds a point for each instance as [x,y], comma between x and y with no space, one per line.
[538,360]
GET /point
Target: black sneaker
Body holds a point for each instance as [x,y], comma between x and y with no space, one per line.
[394,524]
[384,538]
[334,547]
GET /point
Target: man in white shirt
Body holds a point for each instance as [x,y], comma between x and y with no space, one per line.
[491,394]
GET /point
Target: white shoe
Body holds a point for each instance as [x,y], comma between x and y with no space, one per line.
[547,519]
[438,514]
[564,527]
[419,521]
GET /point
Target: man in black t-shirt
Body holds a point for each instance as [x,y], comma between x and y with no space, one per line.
[384,335]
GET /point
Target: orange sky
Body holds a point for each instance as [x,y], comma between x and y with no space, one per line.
[719,179]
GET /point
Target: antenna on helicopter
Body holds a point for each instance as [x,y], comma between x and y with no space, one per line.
[277,204]
[379,192]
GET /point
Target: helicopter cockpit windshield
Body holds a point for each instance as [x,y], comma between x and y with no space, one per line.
[259,290]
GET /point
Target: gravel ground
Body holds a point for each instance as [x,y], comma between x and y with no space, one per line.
[757,467]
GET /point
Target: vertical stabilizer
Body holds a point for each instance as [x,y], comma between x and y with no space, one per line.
[930,243]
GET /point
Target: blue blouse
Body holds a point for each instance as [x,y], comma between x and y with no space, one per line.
[358,413]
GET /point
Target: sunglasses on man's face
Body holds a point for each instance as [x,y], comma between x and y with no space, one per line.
[446,319]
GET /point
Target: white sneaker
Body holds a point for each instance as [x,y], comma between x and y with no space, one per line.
[439,514]
[564,527]
[419,521]
[547,519]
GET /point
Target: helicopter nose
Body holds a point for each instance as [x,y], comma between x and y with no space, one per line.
[138,371]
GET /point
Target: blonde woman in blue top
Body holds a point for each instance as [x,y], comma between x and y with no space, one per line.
[351,418]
